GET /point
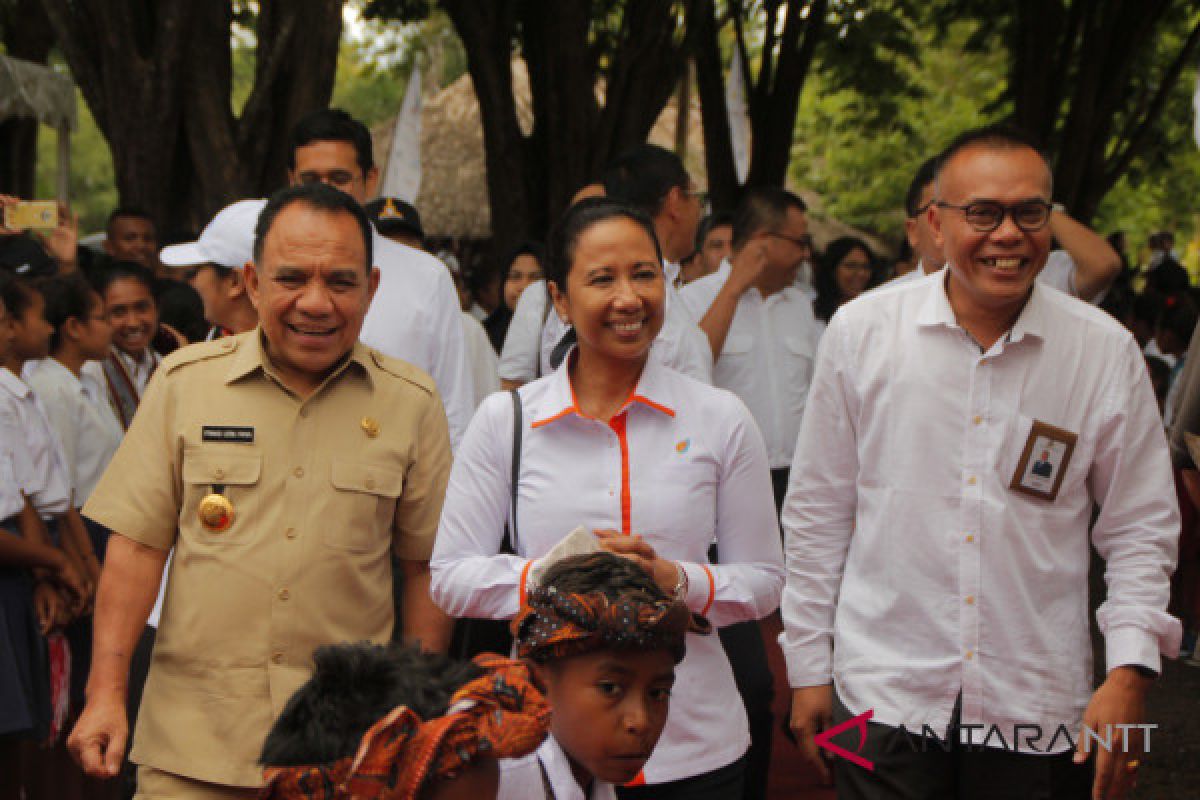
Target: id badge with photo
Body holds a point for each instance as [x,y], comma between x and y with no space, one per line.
[1044,461]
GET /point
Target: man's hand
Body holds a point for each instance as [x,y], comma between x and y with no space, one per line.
[746,265]
[98,740]
[1120,700]
[665,573]
[812,710]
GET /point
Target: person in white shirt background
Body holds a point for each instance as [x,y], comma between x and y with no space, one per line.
[846,269]
[128,293]
[714,244]
[415,314]
[213,266]
[653,181]
[655,463]
[1084,266]
[933,578]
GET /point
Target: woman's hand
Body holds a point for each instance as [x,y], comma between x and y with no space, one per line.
[632,546]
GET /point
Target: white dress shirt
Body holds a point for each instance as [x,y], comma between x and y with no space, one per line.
[915,572]
[767,358]
[47,482]
[415,316]
[481,358]
[15,468]
[82,418]
[535,330]
[521,778]
[681,464]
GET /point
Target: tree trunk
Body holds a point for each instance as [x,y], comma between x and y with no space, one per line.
[28,36]
[487,30]
[710,86]
[128,58]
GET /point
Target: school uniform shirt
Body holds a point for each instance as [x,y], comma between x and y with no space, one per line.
[536,330]
[526,778]
[681,463]
[83,420]
[123,379]
[915,573]
[767,358]
[481,358]
[48,483]
[415,316]
[15,469]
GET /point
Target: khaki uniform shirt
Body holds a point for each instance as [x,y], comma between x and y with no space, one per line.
[322,491]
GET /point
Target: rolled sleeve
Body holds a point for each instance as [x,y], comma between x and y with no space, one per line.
[139,495]
[1137,531]
[420,505]
[519,358]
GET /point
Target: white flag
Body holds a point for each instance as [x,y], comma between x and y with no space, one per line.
[739,119]
[403,175]
[1196,106]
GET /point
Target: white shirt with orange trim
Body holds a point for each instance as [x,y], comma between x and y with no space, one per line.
[681,464]
[767,359]
[915,573]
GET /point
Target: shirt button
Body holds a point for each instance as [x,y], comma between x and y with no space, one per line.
[978,420]
[970,600]
[290,533]
[284,594]
[971,481]
[276,657]
[304,411]
[298,472]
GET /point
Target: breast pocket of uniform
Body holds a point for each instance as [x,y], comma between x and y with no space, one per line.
[799,353]
[220,494]
[365,497]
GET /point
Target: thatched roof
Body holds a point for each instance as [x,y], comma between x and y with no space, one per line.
[453,198]
[34,90]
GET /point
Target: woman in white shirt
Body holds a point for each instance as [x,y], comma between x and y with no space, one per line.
[656,463]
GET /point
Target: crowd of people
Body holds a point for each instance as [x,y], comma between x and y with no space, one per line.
[238,465]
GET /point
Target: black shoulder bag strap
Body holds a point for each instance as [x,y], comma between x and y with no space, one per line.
[518,426]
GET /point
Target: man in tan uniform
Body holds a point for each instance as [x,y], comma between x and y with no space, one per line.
[281,465]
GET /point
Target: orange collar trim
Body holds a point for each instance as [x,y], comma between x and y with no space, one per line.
[574,408]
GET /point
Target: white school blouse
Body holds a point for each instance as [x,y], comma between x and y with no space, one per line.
[522,778]
[682,464]
[44,476]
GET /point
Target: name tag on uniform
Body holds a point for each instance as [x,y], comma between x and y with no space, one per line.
[1044,461]
[228,433]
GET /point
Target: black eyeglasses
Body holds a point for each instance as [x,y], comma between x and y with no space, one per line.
[799,241]
[986,216]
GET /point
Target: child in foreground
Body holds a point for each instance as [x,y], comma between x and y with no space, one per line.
[380,722]
[603,640]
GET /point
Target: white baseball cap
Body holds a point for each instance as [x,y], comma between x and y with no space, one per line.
[227,241]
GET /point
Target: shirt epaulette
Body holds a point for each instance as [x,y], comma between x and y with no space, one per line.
[403,370]
[201,351]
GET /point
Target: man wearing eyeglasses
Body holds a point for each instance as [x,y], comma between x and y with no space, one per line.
[1084,266]
[937,570]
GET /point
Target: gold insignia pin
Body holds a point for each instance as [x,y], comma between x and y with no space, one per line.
[370,427]
[215,512]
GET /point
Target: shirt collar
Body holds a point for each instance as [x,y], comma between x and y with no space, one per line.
[251,357]
[936,310]
[651,391]
[55,367]
[562,780]
[12,383]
